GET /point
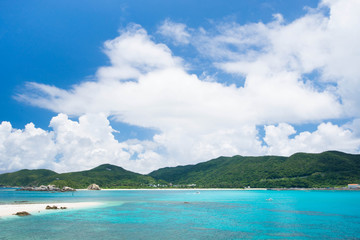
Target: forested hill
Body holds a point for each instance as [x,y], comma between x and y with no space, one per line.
[106,175]
[326,169]
[25,177]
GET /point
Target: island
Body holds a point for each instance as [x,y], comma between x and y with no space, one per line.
[327,170]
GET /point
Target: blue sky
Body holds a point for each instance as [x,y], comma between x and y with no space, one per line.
[60,43]
[148,84]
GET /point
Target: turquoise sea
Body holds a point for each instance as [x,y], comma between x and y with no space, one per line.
[189,214]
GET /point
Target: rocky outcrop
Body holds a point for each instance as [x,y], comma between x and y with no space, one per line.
[48,188]
[23,213]
[54,207]
[67,189]
[93,187]
[51,188]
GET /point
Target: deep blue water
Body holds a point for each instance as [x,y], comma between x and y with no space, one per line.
[190,215]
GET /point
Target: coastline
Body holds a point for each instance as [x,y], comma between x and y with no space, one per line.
[8,210]
[177,189]
[217,189]
[223,189]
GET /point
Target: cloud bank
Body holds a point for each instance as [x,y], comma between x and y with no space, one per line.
[300,72]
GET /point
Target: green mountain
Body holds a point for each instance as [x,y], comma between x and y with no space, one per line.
[106,176]
[25,177]
[326,169]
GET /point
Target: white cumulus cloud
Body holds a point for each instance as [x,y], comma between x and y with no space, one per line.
[73,145]
[28,148]
[326,137]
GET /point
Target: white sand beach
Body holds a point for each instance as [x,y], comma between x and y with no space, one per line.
[178,189]
[7,210]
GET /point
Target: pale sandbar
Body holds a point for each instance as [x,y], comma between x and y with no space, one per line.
[7,210]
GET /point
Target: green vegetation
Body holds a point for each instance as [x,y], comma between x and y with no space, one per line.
[25,177]
[326,169]
[106,176]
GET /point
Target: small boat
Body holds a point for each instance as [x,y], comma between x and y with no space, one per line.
[269,199]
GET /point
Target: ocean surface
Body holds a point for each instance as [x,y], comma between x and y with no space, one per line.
[188,214]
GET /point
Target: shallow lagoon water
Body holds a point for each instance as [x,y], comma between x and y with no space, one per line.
[189,214]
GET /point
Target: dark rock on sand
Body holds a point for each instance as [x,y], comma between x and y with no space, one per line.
[54,207]
[49,207]
[23,213]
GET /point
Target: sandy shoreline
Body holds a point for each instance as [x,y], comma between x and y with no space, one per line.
[177,189]
[225,189]
[8,210]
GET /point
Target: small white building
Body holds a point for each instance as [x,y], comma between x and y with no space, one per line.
[353,186]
